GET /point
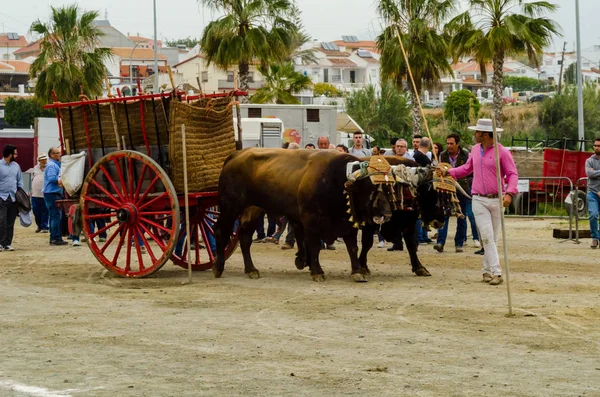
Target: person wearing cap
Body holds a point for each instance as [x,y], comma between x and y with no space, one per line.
[40,211]
[487,210]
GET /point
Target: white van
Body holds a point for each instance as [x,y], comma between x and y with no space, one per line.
[260,132]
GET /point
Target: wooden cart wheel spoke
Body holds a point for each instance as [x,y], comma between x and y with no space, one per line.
[121,177]
[105,228]
[112,237]
[101,216]
[111,182]
[140,183]
[145,241]
[156,239]
[143,212]
[102,203]
[106,192]
[202,238]
[148,189]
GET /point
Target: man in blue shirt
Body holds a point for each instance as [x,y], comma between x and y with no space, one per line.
[52,192]
[10,180]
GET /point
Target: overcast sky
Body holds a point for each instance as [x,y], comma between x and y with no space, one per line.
[326,20]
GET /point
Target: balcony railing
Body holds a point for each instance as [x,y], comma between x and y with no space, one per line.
[228,85]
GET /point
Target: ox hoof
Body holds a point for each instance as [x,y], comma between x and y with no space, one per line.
[217,273]
[300,264]
[253,274]
[359,278]
[365,271]
[422,272]
[319,278]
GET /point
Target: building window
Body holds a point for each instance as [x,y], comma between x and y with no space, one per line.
[325,75]
[312,115]
[230,77]
[254,113]
[204,77]
[559,62]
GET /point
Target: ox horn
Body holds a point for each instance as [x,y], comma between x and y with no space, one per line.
[460,189]
[352,176]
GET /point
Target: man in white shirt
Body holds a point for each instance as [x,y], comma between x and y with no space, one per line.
[40,211]
[357,149]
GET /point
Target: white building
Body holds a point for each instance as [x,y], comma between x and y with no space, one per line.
[9,43]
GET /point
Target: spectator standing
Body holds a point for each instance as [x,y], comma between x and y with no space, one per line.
[437,150]
[10,180]
[52,192]
[456,156]
[487,210]
[592,169]
[309,146]
[323,142]
[423,160]
[290,238]
[357,148]
[341,148]
[37,197]
[400,149]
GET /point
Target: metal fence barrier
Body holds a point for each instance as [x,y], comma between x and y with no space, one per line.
[580,203]
[544,197]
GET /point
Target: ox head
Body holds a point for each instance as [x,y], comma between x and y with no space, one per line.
[369,201]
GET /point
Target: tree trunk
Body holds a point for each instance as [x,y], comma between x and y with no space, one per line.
[244,85]
[416,114]
[497,83]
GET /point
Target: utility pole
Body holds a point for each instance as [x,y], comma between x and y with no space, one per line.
[562,65]
[156,89]
[579,83]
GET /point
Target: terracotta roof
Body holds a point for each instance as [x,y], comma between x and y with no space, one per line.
[31,47]
[473,67]
[6,42]
[138,53]
[14,67]
[341,62]
[187,60]
[472,82]
[333,53]
[366,44]
[136,39]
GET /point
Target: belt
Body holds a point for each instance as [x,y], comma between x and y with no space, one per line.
[490,196]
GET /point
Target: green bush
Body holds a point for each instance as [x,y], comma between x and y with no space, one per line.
[461,107]
[21,112]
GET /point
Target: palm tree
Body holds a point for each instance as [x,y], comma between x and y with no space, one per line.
[70,60]
[281,81]
[261,31]
[418,22]
[493,29]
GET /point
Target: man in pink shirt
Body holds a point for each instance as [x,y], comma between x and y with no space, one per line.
[482,163]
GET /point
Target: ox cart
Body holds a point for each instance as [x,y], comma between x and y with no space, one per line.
[131,203]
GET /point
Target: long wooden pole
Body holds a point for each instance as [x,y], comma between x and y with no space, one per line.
[188,237]
[417,94]
[501,201]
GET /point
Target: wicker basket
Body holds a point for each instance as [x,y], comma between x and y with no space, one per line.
[209,140]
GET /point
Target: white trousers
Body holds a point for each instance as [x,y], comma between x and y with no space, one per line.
[487,216]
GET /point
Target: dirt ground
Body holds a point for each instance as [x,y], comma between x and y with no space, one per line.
[68,327]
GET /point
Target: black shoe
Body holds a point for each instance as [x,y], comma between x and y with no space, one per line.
[479,252]
[58,242]
[396,248]
[38,230]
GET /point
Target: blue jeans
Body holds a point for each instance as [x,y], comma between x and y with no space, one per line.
[469,213]
[461,226]
[421,232]
[593,202]
[54,215]
[40,212]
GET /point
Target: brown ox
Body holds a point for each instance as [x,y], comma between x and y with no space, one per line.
[310,188]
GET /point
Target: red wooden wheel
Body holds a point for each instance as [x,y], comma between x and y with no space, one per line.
[203,217]
[134,207]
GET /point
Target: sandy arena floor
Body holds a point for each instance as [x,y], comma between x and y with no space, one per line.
[68,327]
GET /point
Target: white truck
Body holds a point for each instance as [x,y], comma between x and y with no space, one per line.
[300,123]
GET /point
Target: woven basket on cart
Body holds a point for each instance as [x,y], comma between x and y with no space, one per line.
[209,138]
[129,124]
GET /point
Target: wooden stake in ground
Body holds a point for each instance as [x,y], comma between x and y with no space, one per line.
[188,238]
[501,200]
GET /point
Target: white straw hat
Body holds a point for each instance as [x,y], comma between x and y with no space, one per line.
[42,157]
[484,125]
